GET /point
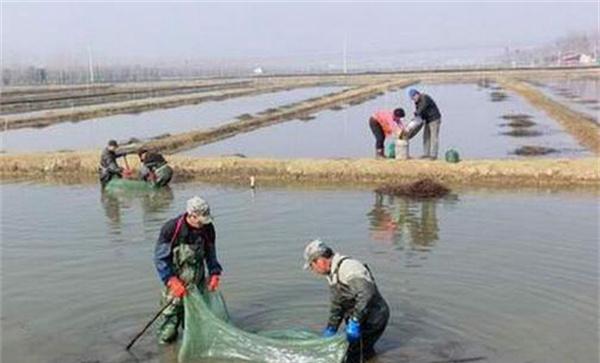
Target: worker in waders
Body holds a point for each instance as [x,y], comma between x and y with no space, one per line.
[426,109]
[383,124]
[109,168]
[186,245]
[154,168]
[355,299]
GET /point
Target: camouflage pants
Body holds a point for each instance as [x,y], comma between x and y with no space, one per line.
[163,175]
[191,273]
[159,177]
[106,176]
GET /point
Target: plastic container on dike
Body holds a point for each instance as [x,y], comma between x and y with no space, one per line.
[401,149]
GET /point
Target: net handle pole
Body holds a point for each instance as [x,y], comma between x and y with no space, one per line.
[126,163]
[132,342]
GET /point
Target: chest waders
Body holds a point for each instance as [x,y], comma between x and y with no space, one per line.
[187,262]
[105,175]
[372,325]
[341,289]
[163,175]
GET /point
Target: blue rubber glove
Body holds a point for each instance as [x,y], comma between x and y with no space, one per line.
[353,330]
[329,331]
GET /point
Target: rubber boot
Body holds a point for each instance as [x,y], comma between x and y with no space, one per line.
[170,320]
[167,332]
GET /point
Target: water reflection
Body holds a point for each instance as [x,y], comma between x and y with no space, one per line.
[112,209]
[404,223]
[157,201]
[449,309]
[153,202]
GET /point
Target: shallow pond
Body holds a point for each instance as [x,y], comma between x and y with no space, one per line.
[471,123]
[582,95]
[95,133]
[512,277]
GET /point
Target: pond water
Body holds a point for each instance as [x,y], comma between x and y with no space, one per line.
[95,133]
[512,277]
[471,123]
[582,95]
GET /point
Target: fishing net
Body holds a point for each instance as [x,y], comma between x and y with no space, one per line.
[209,333]
[121,184]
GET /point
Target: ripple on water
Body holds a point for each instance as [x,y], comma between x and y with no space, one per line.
[512,277]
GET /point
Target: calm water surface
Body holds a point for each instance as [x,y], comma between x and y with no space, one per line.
[96,132]
[512,277]
[581,95]
[471,123]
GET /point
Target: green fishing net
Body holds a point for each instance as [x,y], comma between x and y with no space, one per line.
[209,333]
[121,184]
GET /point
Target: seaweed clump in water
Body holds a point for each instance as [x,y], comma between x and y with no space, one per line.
[422,189]
[498,96]
[268,111]
[358,101]
[518,120]
[484,83]
[307,118]
[566,94]
[529,150]
[522,132]
[588,101]
[245,116]
[516,116]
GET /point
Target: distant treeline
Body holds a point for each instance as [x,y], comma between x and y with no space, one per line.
[79,75]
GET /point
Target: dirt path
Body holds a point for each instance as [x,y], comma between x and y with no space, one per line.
[512,174]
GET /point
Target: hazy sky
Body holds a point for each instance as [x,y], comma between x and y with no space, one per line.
[44,32]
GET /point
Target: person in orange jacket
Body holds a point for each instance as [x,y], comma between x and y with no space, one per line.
[185,249]
[385,123]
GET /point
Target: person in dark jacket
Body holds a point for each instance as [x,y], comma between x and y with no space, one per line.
[154,168]
[108,163]
[185,249]
[426,109]
[355,299]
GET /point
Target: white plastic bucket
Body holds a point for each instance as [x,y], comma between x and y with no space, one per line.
[402,149]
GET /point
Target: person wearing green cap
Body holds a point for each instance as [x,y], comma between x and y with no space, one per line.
[186,245]
[355,299]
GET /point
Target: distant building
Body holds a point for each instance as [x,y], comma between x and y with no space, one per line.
[586,59]
[573,59]
[258,71]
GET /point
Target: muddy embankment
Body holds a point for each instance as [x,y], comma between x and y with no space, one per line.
[31,90]
[583,128]
[511,174]
[302,109]
[21,103]
[475,75]
[46,118]
[457,75]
